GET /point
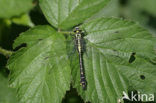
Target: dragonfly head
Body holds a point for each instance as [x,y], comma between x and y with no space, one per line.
[77,30]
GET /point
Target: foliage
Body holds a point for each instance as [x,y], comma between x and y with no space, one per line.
[12,8]
[65,14]
[43,76]
[119,54]
[7,91]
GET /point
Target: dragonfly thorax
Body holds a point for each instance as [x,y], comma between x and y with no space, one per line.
[78,35]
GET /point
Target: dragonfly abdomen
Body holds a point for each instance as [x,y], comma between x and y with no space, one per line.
[83,81]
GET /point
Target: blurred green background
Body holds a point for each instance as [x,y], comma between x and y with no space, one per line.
[17,16]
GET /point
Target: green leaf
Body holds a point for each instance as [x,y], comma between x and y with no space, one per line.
[111,10]
[40,71]
[7,95]
[145,5]
[65,14]
[110,44]
[23,20]
[140,11]
[10,8]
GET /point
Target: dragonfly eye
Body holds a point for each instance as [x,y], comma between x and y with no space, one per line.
[76,28]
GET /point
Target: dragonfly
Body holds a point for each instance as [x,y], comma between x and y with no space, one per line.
[79,46]
[85,49]
[91,50]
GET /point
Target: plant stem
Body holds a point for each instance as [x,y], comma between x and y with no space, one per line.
[66,32]
[5,52]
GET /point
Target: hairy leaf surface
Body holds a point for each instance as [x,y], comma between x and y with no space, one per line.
[65,14]
[40,71]
[110,45]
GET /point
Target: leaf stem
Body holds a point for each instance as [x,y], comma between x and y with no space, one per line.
[67,32]
[5,52]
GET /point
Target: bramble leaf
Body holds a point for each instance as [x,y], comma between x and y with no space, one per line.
[65,14]
[23,20]
[111,44]
[144,6]
[140,11]
[10,8]
[112,9]
[40,71]
[7,95]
